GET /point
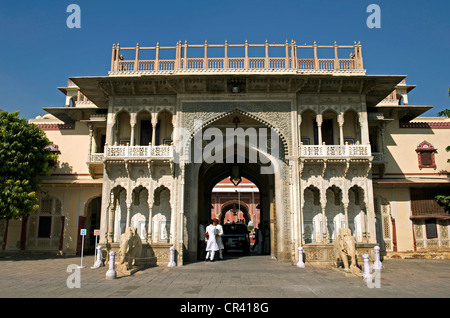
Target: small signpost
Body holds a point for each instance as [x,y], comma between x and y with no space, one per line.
[83,234]
[96,234]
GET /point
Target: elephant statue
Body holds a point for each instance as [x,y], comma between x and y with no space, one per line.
[345,247]
[130,248]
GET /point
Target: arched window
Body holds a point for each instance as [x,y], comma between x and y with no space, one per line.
[425,152]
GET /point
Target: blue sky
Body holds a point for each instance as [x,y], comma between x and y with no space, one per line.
[39,52]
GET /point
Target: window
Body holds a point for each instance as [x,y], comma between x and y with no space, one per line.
[44,229]
[425,152]
[430,225]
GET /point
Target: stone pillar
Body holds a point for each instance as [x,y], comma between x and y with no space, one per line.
[111,216]
[172,257]
[362,117]
[154,123]
[366,274]
[128,213]
[111,119]
[345,204]
[364,227]
[150,216]
[324,223]
[91,133]
[300,263]
[98,261]
[132,124]
[340,120]
[299,126]
[319,121]
[377,264]
[111,273]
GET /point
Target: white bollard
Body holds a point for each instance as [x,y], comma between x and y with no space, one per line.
[98,257]
[111,273]
[366,274]
[300,263]
[377,264]
[172,257]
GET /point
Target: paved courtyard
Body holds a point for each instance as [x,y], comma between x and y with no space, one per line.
[252,277]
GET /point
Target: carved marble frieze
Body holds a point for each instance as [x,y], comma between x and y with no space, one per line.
[152,104]
[338,103]
[275,115]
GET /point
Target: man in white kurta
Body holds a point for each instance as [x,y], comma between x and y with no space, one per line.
[211,243]
[219,238]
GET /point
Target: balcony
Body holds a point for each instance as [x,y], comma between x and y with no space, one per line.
[148,154]
[335,151]
[295,59]
[138,152]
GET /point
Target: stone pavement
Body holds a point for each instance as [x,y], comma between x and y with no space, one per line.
[236,277]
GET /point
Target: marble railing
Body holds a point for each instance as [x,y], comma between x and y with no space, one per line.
[334,151]
[122,152]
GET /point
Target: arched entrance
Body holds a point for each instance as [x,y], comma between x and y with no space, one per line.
[234,211]
[210,175]
[92,223]
[257,154]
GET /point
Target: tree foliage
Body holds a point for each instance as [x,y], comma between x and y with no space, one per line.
[23,158]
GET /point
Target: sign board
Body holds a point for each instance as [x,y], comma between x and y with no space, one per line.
[83,232]
[96,232]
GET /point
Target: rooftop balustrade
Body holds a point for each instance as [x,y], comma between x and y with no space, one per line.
[294,58]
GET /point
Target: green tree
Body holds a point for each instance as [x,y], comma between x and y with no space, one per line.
[23,159]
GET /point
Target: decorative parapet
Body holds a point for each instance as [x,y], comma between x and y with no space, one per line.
[292,61]
[429,125]
[96,158]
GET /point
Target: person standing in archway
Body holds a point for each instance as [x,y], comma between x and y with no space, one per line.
[201,240]
[211,243]
[259,240]
[219,238]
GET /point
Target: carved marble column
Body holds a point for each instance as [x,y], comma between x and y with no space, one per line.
[132,124]
[345,204]
[340,120]
[324,223]
[362,117]
[111,216]
[91,132]
[150,216]
[154,123]
[128,214]
[319,120]
[299,124]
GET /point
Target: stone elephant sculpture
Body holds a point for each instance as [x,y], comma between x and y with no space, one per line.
[345,247]
[130,248]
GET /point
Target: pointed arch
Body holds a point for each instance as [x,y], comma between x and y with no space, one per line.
[161,218]
[228,205]
[238,111]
